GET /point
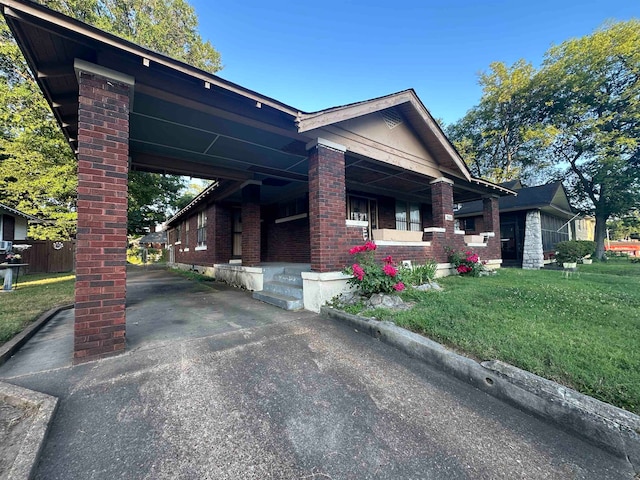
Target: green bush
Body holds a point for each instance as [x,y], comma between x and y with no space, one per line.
[588,247]
[569,251]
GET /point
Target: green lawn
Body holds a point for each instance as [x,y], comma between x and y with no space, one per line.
[35,294]
[583,331]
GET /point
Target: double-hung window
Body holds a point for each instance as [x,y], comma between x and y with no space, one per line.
[408,216]
[202,228]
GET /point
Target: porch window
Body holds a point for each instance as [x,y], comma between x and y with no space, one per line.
[178,233]
[202,228]
[186,233]
[237,233]
[363,209]
[408,216]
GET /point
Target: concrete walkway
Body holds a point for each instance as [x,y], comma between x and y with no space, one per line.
[216,385]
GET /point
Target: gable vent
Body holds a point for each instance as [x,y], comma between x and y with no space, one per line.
[391,117]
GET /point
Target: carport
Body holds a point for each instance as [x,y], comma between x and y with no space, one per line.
[125,107]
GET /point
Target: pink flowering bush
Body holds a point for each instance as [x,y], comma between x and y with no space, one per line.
[466,263]
[371,277]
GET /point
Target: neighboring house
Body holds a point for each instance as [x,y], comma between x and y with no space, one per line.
[14,224]
[585,228]
[156,240]
[531,223]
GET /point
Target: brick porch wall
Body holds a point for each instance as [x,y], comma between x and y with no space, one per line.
[251,225]
[100,290]
[288,241]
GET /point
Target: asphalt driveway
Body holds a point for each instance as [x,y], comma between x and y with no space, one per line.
[216,385]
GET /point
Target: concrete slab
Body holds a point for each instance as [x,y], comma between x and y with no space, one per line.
[217,385]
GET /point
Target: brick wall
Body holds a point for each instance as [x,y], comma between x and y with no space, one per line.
[327,207]
[251,225]
[100,291]
[288,241]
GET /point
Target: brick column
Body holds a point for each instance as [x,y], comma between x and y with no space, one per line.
[327,206]
[101,255]
[491,220]
[491,214]
[442,203]
[251,225]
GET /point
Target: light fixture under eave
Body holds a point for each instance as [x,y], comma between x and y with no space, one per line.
[146,62]
[207,85]
[258,105]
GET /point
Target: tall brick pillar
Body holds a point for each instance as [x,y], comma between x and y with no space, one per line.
[101,255]
[327,206]
[442,203]
[251,225]
[491,214]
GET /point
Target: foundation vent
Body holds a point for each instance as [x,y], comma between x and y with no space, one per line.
[391,117]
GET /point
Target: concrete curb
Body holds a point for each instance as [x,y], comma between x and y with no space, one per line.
[29,453]
[611,428]
[12,346]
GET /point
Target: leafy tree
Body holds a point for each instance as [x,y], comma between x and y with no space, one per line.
[591,87]
[625,228]
[499,138]
[37,168]
[151,196]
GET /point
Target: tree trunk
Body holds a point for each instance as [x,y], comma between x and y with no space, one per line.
[600,235]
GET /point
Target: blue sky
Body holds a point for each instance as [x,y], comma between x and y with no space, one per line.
[315,55]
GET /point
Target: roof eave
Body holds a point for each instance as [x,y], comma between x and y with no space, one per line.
[16,10]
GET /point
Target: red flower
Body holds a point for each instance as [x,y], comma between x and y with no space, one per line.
[358,272]
[398,287]
[388,259]
[390,270]
[472,257]
[463,269]
[369,245]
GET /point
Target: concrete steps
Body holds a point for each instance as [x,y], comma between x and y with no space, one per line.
[284,290]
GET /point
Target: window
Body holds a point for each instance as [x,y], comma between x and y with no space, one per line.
[468,224]
[237,233]
[202,228]
[186,233]
[179,234]
[408,216]
[363,209]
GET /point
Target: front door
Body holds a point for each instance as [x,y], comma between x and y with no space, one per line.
[509,241]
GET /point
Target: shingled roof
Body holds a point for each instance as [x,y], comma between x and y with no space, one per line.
[551,196]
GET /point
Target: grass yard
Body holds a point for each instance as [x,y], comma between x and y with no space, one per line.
[583,331]
[35,294]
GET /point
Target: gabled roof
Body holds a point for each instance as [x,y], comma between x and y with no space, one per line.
[18,213]
[411,107]
[549,197]
[154,237]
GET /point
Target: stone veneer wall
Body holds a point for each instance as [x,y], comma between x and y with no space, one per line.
[532,255]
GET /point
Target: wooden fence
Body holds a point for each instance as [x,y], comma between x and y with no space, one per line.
[48,256]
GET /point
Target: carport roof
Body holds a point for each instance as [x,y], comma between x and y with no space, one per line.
[186,121]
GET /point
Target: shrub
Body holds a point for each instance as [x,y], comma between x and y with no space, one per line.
[588,247]
[569,251]
[370,277]
[420,274]
[466,263]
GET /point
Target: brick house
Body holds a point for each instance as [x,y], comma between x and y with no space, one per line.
[393,178]
[531,223]
[290,186]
